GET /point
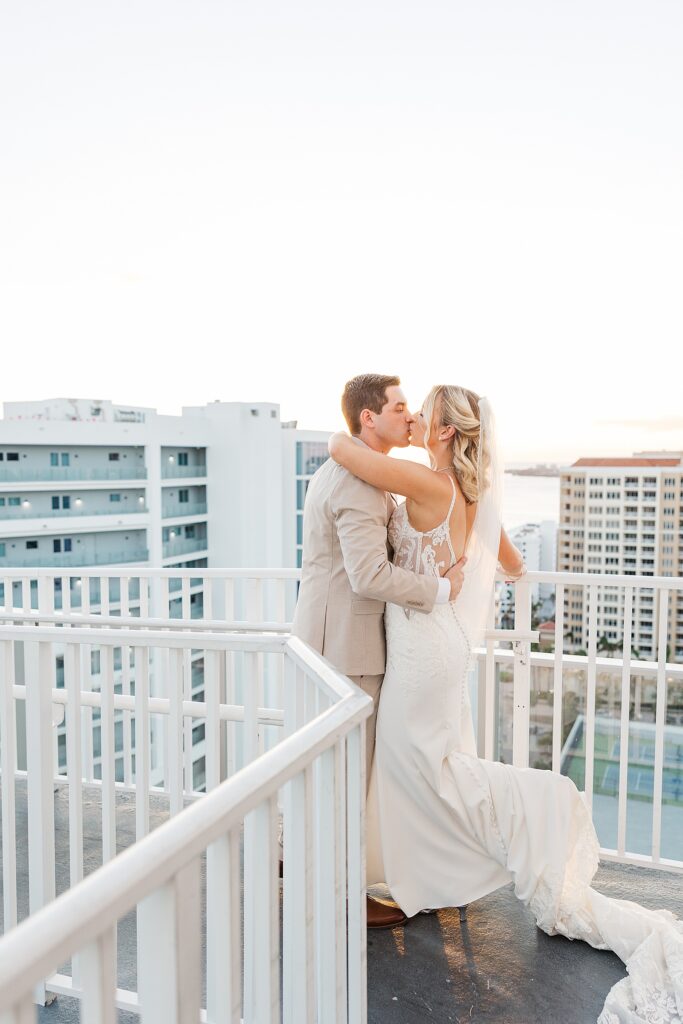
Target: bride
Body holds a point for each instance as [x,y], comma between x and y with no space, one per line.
[444,826]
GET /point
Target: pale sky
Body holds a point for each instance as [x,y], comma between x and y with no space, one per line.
[257,200]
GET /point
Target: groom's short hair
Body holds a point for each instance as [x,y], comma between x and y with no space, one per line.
[367,391]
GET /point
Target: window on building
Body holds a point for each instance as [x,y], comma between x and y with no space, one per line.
[189,530]
[54,458]
[56,545]
[12,456]
[2,502]
[183,459]
[2,549]
[114,457]
[67,543]
[31,545]
[14,501]
[310,455]
[66,501]
[301,488]
[55,501]
[64,458]
[115,497]
[183,495]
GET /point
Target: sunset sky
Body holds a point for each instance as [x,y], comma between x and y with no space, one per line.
[256,201]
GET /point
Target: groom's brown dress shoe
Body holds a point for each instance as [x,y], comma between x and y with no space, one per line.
[382,916]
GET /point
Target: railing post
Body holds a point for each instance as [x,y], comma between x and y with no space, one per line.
[355,852]
[169,971]
[261,916]
[522,676]
[8,765]
[298,954]
[39,669]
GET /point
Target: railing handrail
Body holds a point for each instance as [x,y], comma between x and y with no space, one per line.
[546,659]
[279,573]
[145,572]
[115,560]
[269,643]
[66,513]
[72,618]
[604,578]
[51,935]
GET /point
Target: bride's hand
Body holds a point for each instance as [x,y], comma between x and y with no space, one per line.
[336,442]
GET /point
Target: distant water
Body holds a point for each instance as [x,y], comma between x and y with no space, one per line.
[529,499]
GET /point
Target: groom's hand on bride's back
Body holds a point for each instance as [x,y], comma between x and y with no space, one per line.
[455,577]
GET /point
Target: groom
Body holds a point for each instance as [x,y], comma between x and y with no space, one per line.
[347,574]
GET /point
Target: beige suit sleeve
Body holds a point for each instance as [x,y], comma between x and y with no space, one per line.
[360,515]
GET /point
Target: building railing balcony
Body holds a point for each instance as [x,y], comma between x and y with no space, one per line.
[58,474]
[184,546]
[605,716]
[74,559]
[196,508]
[9,514]
[172,471]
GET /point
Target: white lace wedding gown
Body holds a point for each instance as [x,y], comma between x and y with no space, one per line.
[446,827]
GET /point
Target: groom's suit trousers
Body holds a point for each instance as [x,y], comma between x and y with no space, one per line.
[372,686]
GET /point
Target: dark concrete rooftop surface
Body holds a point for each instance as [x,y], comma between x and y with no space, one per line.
[495,968]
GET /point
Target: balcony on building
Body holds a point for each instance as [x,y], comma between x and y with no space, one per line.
[42,465]
[105,547]
[182,463]
[183,502]
[184,538]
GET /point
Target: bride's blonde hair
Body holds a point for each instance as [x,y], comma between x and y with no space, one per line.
[460,409]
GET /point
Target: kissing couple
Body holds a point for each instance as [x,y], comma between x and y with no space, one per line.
[397,596]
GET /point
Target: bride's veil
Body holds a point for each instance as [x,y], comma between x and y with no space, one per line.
[474,601]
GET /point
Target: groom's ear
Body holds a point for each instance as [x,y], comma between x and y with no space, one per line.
[367,418]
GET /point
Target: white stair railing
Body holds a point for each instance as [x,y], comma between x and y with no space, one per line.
[320,766]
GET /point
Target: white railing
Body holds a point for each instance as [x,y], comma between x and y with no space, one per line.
[9,515]
[184,546]
[620,674]
[71,473]
[508,681]
[227,598]
[74,559]
[317,765]
[171,472]
[182,509]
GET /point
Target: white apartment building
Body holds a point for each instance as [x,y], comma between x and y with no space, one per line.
[90,483]
[623,516]
[537,543]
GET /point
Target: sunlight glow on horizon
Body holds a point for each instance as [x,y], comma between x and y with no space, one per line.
[259,203]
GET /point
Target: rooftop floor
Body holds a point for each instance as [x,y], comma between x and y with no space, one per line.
[496,968]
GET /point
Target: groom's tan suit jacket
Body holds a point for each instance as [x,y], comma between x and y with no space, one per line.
[347,573]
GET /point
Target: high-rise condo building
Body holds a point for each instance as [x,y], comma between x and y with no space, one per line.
[623,517]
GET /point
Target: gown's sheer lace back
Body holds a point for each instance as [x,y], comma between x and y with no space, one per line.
[428,552]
